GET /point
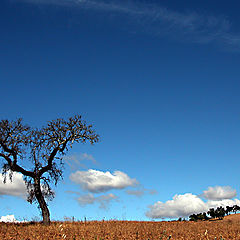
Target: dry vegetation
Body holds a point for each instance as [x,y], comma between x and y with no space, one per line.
[229,228]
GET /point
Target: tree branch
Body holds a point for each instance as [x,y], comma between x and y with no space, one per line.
[19,169]
[52,156]
[15,167]
[6,158]
[50,160]
[8,150]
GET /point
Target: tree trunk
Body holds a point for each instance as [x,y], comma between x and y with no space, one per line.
[42,203]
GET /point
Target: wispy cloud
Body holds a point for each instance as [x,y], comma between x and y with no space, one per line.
[161,21]
[102,200]
[137,193]
[140,192]
[76,161]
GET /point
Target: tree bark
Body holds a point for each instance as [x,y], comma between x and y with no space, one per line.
[42,203]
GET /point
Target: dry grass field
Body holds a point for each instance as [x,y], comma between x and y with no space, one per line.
[229,228]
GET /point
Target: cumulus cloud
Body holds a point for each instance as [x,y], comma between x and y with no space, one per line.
[187,204]
[219,193]
[103,200]
[16,187]
[159,20]
[223,203]
[9,218]
[97,181]
[180,205]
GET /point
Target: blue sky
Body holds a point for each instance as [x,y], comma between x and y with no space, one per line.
[159,80]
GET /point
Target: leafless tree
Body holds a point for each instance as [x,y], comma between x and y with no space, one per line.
[38,154]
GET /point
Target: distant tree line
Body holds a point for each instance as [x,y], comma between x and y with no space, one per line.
[212,213]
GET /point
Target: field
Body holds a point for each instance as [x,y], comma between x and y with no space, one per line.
[229,228]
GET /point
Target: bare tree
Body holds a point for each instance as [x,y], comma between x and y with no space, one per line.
[38,154]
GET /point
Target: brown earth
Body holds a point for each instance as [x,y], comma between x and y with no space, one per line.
[234,217]
[226,229]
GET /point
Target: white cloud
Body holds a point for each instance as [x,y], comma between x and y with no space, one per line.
[103,200]
[97,181]
[219,193]
[223,203]
[155,19]
[179,206]
[16,187]
[8,218]
[187,204]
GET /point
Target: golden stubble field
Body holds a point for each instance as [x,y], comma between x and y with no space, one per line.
[229,228]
